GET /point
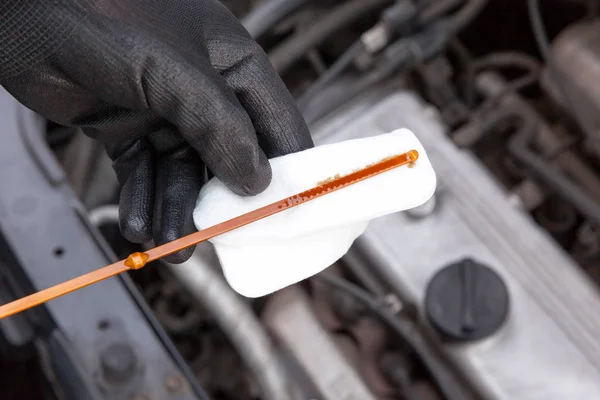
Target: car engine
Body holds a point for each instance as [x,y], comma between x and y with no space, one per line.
[487,291]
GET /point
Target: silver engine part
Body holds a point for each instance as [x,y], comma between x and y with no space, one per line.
[548,348]
[576,79]
[290,317]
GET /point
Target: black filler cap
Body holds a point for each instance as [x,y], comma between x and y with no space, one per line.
[466,301]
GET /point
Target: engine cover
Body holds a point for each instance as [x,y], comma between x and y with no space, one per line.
[548,348]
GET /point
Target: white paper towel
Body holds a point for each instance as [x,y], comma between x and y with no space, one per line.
[293,245]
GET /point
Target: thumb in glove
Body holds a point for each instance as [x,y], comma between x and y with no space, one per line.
[172,88]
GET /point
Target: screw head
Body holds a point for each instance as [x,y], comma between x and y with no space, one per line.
[174,383]
[118,362]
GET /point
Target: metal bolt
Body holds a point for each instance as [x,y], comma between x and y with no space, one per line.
[118,362]
[393,302]
[174,383]
[376,38]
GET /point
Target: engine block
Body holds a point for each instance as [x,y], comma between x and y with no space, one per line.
[548,346]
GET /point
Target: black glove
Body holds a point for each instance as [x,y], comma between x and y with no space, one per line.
[172,87]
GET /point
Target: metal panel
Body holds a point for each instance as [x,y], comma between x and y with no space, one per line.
[47,240]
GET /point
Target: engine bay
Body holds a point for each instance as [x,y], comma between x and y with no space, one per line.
[487,291]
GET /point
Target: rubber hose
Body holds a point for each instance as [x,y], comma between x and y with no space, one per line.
[500,60]
[339,99]
[294,48]
[466,15]
[398,56]
[268,13]
[519,147]
[437,9]
[408,332]
[336,69]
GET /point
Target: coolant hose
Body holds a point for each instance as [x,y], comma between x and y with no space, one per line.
[268,13]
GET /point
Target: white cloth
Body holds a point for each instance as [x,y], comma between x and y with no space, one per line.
[295,244]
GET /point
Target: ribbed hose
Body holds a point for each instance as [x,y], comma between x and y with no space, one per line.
[268,13]
[294,48]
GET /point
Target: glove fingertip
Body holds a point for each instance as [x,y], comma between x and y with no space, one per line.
[167,235]
[135,219]
[135,228]
[181,256]
[253,180]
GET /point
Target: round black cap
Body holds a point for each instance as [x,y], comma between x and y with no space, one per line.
[466,301]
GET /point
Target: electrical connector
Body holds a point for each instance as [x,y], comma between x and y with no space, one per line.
[418,47]
[394,21]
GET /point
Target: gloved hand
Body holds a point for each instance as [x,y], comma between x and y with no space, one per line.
[170,87]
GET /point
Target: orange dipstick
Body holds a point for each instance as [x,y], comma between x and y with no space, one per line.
[139,260]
